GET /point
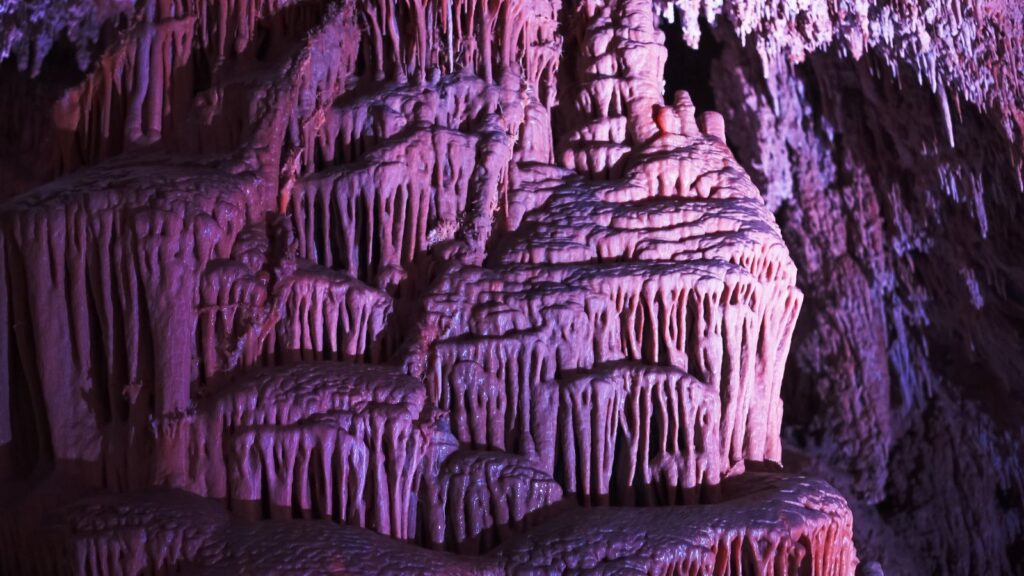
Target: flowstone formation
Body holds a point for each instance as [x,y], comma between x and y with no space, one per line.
[390,287]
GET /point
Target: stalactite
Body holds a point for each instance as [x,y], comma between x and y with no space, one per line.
[487,497]
[485,38]
[88,275]
[764,533]
[310,314]
[321,439]
[496,393]
[108,535]
[713,321]
[639,435]
[383,213]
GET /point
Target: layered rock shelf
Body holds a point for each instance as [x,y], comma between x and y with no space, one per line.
[370,287]
[765,524]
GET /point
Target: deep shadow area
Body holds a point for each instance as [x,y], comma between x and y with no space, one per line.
[688,68]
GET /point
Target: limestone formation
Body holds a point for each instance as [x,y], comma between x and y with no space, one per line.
[362,286]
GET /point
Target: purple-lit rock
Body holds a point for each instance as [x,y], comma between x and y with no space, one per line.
[362,286]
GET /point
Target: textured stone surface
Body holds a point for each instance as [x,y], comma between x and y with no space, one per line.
[908,349]
[448,271]
[776,527]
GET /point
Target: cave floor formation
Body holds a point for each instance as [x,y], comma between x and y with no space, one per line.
[396,287]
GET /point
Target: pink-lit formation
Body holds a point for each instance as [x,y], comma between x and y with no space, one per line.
[397,287]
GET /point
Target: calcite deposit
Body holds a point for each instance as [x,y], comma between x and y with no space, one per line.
[362,286]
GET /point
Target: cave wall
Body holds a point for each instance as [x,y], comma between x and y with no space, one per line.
[893,166]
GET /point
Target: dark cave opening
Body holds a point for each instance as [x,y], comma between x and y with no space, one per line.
[689,68]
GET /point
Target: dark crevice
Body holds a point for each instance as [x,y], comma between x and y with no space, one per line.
[689,69]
